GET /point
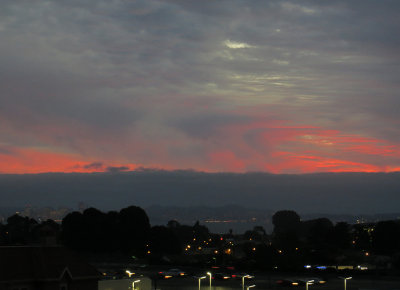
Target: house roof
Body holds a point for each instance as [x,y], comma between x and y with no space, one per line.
[42,263]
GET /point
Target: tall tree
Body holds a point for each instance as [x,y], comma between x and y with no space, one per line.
[95,222]
[164,241]
[20,229]
[134,227]
[386,237]
[286,221]
[286,230]
[341,237]
[74,233]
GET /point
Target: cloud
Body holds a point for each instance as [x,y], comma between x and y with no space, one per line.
[4,150]
[358,193]
[94,165]
[236,45]
[114,169]
[291,7]
[182,84]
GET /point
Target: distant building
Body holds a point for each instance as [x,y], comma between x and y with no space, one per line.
[45,268]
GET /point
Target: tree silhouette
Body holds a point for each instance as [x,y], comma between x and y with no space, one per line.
[285,221]
[317,236]
[3,235]
[94,222]
[386,237]
[134,227]
[258,233]
[286,230]
[163,241]
[318,233]
[20,229]
[341,237]
[95,231]
[74,232]
[47,232]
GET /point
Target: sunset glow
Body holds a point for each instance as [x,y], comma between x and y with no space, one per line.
[22,161]
[275,149]
[281,87]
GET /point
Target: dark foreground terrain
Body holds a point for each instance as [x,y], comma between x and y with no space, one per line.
[269,282]
[265,280]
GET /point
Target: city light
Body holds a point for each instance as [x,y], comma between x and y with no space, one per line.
[345,281]
[309,282]
[245,276]
[133,284]
[200,278]
[209,273]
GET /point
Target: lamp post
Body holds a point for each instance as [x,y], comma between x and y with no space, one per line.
[203,277]
[251,286]
[133,284]
[245,276]
[309,282]
[129,273]
[209,273]
[345,281]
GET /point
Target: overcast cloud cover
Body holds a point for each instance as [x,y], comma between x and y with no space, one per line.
[350,193]
[275,86]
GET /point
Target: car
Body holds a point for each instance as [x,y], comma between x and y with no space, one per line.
[221,276]
[304,281]
[287,282]
[317,280]
[240,276]
[311,281]
[172,273]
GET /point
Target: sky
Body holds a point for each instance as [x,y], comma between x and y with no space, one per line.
[212,86]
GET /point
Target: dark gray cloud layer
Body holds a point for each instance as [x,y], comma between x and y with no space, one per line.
[365,193]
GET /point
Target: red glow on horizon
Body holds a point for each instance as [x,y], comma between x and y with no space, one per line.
[259,146]
[227,158]
[25,161]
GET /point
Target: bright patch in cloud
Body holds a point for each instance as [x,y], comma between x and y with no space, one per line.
[291,7]
[236,45]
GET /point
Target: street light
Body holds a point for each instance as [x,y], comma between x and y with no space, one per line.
[129,273]
[309,282]
[203,277]
[345,280]
[245,276]
[133,284]
[251,286]
[209,273]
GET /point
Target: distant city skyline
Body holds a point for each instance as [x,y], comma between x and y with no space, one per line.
[215,86]
[218,219]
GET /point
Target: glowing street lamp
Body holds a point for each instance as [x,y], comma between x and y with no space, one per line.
[200,278]
[345,281]
[251,286]
[129,273]
[309,282]
[133,284]
[245,276]
[209,273]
